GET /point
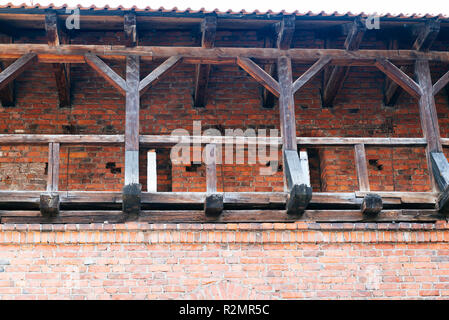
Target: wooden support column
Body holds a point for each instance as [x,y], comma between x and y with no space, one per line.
[425,36]
[213,204]
[208,29]
[372,202]
[61,70]
[132,189]
[7,93]
[296,182]
[338,74]
[49,201]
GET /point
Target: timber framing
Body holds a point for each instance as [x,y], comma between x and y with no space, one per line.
[276,55]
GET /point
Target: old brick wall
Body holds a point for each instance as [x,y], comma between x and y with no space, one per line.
[225,261]
[234,102]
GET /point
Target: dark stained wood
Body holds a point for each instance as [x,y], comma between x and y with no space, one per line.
[259,75]
[156,74]
[62,71]
[372,204]
[361,167]
[297,182]
[285,30]
[49,205]
[338,74]
[106,72]
[339,57]
[208,32]
[16,68]
[441,83]
[131,201]
[310,73]
[398,76]
[130,29]
[440,169]
[286,104]
[426,35]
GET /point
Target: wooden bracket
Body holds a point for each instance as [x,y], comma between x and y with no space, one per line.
[371,204]
[130,29]
[298,182]
[156,74]
[106,72]
[16,68]
[49,204]
[132,194]
[440,170]
[441,83]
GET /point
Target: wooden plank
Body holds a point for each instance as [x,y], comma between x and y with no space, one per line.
[62,71]
[106,72]
[208,32]
[259,75]
[310,73]
[60,138]
[338,56]
[426,35]
[441,83]
[16,68]
[213,204]
[361,167]
[339,74]
[285,30]
[398,76]
[53,167]
[130,29]
[156,74]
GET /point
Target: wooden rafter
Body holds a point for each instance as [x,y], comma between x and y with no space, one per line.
[425,36]
[202,71]
[106,72]
[130,29]
[16,68]
[156,74]
[338,74]
[61,71]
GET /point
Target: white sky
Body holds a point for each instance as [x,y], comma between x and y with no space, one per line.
[342,6]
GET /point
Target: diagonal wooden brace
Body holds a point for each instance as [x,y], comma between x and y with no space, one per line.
[298,182]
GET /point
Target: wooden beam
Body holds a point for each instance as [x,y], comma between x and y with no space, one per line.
[285,30]
[7,98]
[106,72]
[361,167]
[130,29]
[259,75]
[440,170]
[441,83]
[75,52]
[213,204]
[49,201]
[372,204]
[310,73]
[338,74]
[202,71]
[426,35]
[298,183]
[62,71]
[132,189]
[428,115]
[156,74]
[16,68]
[398,76]
[268,98]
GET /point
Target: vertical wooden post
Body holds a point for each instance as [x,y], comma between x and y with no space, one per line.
[132,189]
[295,180]
[428,115]
[361,167]
[49,201]
[213,204]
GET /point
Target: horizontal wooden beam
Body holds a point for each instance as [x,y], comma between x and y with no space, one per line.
[170,140]
[15,50]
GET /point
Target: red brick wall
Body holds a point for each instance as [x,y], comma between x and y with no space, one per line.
[230,261]
[234,101]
